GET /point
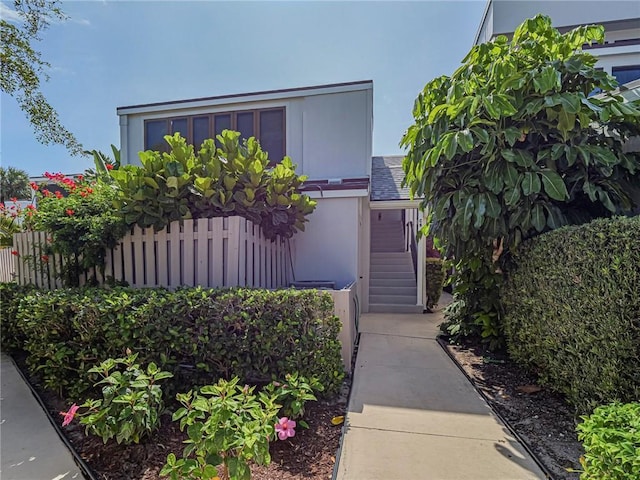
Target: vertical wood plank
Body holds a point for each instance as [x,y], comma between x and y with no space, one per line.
[127,255]
[150,258]
[162,260]
[202,260]
[242,251]
[249,262]
[174,254]
[217,236]
[188,265]
[233,251]
[118,259]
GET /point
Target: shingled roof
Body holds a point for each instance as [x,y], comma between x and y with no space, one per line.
[386,179]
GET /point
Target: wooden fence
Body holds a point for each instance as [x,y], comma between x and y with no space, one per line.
[7,265]
[210,252]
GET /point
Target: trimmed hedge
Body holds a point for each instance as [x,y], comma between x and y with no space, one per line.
[572,310]
[197,334]
[611,439]
[11,338]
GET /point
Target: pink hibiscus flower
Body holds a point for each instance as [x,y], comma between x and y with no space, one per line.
[285,428]
[68,416]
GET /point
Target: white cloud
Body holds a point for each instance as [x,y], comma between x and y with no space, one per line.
[80,21]
[9,14]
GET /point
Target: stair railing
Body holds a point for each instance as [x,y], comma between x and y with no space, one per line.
[411,245]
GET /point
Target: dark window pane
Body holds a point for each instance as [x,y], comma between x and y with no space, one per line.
[272,134]
[155,130]
[179,125]
[244,123]
[200,131]
[626,74]
[222,122]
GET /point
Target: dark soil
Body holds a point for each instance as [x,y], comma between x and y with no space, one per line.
[310,455]
[542,418]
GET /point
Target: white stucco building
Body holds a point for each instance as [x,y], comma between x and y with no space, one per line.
[327,130]
[619,56]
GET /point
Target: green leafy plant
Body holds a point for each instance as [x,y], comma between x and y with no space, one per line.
[197,334]
[229,426]
[513,145]
[293,393]
[435,276]
[611,440]
[131,401]
[571,305]
[82,223]
[231,179]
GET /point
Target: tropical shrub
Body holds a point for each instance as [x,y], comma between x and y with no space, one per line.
[513,145]
[435,275]
[131,401]
[197,334]
[81,222]
[232,179]
[572,310]
[293,393]
[11,337]
[14,183]
[611,440]
[229,426]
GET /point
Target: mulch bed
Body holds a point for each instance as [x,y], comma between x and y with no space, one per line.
[542,418]
[310,455]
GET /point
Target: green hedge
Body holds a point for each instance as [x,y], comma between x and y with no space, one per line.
[572,310]
[11,338]
[197,334]
[435,276]
[611,439]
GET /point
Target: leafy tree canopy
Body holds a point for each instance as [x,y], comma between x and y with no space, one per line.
[513,144]
[23,69]
[14,183]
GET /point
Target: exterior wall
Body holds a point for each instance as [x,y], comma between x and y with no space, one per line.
[328,131]
[328,248]
[620,18]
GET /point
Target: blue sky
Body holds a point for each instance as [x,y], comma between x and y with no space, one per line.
[116,53]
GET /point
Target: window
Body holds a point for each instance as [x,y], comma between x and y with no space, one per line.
[267,125]
[626,74]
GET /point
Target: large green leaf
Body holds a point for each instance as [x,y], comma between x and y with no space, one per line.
[530,183]
[553,185]
[538,219]
[547,79]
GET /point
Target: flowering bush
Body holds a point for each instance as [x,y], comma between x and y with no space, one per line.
[82,222]
[293,394]
[131,401]
[228,426]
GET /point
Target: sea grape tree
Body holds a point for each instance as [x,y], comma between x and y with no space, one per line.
[513,144]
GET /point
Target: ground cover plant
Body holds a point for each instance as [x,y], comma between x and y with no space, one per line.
[512,145]
[572,303]
[611,438]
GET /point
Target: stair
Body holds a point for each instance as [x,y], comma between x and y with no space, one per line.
[392,282]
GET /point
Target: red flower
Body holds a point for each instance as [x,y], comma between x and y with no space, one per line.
[108,166]
[34,186]
[46,192]
[58,194]
[44,258]
[89,190]
[14,199]
[70,212]
[80,177]
[1,206]
[14,252]
[83,194]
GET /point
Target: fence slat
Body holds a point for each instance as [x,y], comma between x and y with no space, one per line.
[214,252]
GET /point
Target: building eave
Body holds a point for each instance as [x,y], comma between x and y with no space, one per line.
[261,96]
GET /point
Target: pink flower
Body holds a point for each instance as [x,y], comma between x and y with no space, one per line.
[70,212]
[285,428]
[68,416]
[108,166]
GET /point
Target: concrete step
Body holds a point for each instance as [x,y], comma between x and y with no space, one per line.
[411,291]
[386,308]
[392,267]
[392,282]
[393,299]
[403,275]
[392,258]
[387,249]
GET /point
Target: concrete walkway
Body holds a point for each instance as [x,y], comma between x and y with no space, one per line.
[414,415]
[29,445]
